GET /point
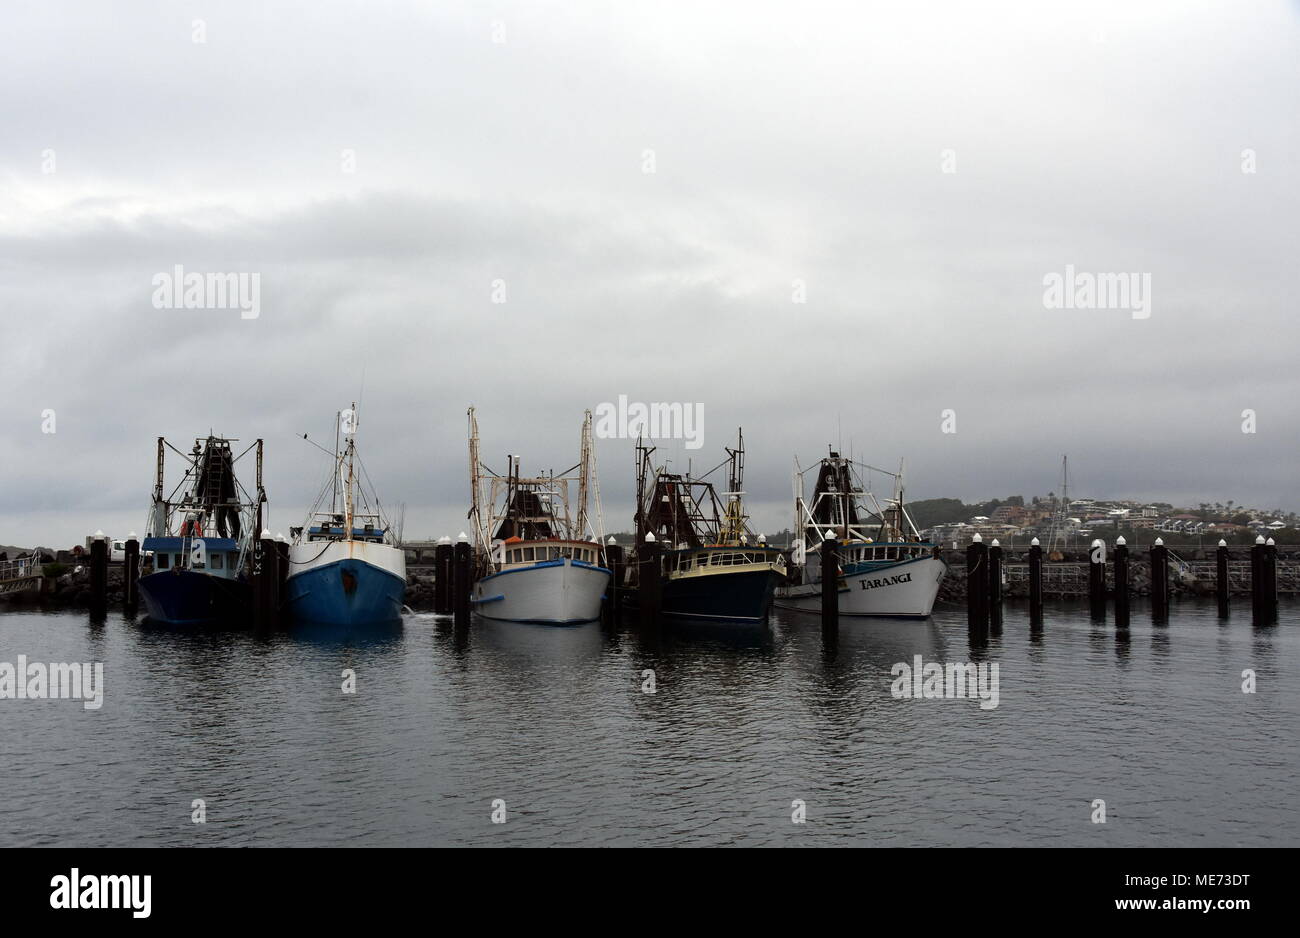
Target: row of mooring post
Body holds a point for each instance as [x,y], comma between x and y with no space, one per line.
[984,582]
[1263,581]
[99,557]
[453,578]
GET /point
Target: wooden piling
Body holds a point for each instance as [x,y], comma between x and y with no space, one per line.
[442,577]
[649,580]
[99,572]
[462,574]
[1035,586]
[995,587]
[1257,581]
[1222,586]
[1121,583]
[1271,560]
[615,563]
[830,562]
[1268,570]
[1097,580]
[977,585]
[131,574]
[1159,581]
[266,582]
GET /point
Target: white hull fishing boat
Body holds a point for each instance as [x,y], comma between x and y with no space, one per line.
[344,569]
[885,569]
[537,560]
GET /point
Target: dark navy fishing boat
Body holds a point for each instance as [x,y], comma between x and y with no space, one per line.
[198,541]
[713,566]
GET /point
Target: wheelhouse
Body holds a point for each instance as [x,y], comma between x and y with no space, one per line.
[523,553]
[722,559]
[214,556]
[335,529]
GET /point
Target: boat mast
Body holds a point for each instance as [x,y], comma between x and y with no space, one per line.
[735,511]
[598,529]
[584,479]
[261,521]
[352,429]
[158,521]
[639,520]
[846,484]
[475,481]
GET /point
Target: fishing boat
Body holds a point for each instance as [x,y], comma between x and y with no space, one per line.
[713,567]
[200,537]
[345,568]
[538,559]
[885,568]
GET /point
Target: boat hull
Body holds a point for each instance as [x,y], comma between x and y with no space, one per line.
[906,589]
[554,592]
[345,583]
[739,596]
[186,597]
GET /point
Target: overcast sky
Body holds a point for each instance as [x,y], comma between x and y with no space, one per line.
[508,141]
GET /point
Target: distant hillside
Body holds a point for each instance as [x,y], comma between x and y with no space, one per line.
[931,511]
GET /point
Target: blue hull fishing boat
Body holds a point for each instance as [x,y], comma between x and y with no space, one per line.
[196,546]
[344,568]
[350,591]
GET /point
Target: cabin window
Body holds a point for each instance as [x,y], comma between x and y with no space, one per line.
[528,554]
[216,562]
[163,561]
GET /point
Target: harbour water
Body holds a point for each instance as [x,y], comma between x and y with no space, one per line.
[743,723]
